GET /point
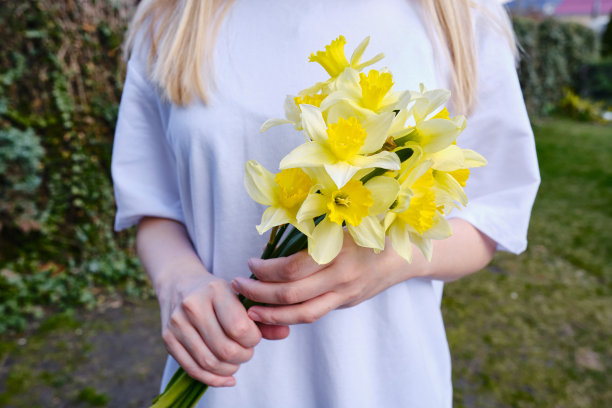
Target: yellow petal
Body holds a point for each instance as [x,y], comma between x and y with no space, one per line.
[313,123]
[424,244]
[448,184]
[309,154]
[437,134]
[259,183]
[272,217]
[384,191]
[369,233]
[400,240]
[326,241]
[313,206]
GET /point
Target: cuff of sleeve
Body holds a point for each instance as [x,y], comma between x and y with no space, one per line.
[487,224]
[124,220]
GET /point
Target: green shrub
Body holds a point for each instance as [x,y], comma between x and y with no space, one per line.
[20,167]
[606,39]
[595,81]
[61,75]
[554,54]
[573,106]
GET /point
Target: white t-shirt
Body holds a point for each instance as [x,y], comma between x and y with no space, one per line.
[187,164]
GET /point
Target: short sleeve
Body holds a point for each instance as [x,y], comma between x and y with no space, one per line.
[502,193]
[143,164]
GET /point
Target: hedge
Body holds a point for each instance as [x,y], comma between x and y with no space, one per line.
[553,54]
[61,76]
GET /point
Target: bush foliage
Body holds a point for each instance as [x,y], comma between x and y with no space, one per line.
[60,82]
[553,56]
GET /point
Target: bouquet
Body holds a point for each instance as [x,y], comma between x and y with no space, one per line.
[377,161]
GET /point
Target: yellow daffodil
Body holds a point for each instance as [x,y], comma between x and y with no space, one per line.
[427,122]
[416,217]
[284,193]
[343,147]
[334,61]
[293,112]
[355,205]
[367,94]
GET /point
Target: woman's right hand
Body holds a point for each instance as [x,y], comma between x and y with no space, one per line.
[206,328]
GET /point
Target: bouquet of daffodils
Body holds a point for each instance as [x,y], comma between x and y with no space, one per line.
[376,161]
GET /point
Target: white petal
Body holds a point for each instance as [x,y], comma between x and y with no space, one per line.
[377,129]
[273,122]
[437,134]
[358,53]
[341,172]
[416,173]
[308,154]
[384,191]
[451,186]
[440,230]
[306,227]
[424,244]
[384,160]
[448,159]
[313,123]
[400,240]
[272,217]
[313,206]
[371,61]
[369,233]
[473,159]
[326,241]
[259,183]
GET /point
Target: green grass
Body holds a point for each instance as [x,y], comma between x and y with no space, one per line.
[534,330]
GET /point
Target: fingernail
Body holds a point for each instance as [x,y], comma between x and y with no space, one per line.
[252,262]
[229,383]
[235,285]
[254,316]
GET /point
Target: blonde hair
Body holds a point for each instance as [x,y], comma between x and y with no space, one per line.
[182,35]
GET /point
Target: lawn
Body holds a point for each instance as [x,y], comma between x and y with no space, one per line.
[535,330]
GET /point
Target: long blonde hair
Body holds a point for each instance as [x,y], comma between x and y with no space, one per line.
[182,34]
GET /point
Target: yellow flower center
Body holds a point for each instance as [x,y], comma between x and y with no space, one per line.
[374,87]
[346,137]
[332,59]
[461,176]
[422,210]
[293,185]
[351,203]
[443,114]
[315,100]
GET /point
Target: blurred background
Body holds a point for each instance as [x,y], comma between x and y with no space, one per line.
[79,326]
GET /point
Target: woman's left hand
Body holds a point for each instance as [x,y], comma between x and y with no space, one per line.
[301,291]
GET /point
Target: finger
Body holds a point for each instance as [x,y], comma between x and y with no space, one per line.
[285,293]
[272,332]
[191,340]
[224,348]
[181,355]
[306,312]
[235,322]
[285,269]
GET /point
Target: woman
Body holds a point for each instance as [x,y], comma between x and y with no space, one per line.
[374,335]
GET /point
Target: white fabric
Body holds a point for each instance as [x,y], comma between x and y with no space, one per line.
[187,164]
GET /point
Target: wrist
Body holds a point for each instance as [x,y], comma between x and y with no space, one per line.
[400,269]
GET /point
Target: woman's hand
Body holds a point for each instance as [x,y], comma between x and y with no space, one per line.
[206,328]
[204,325]
[303,291]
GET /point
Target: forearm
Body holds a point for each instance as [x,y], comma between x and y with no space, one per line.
[166,252]
[465,252]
